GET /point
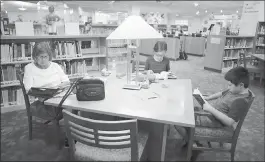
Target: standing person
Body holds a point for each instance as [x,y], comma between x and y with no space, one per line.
[51,20]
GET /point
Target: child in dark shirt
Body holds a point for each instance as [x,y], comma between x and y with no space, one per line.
[230,105]
[158,62]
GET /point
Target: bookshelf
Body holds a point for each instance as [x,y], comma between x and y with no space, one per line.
[77,54]
[222,51]
[259,38]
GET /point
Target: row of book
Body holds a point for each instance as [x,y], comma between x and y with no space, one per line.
[229,64]
[260,40]
[74,67]
[237,43]
[12,96]
[62,49]
[16,52]
[79,66]
[234,53]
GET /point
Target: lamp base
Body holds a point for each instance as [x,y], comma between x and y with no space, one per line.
[132,86]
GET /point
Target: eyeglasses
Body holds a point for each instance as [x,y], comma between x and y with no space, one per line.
[42,57]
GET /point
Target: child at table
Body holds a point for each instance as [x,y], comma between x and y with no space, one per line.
[229,107]
[158,62]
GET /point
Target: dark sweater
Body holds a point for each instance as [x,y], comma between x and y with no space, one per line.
[157,67]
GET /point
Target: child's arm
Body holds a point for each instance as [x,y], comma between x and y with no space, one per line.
[223,118]
[213,96]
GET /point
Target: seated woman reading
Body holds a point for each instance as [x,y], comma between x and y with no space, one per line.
[158,62]
[44,73]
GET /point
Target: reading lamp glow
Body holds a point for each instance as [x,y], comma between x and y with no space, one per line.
[134,28]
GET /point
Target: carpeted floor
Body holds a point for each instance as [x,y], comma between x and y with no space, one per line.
[15,145]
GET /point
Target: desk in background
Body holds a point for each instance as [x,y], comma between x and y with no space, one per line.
[173,106]
[173,47]
[194,45]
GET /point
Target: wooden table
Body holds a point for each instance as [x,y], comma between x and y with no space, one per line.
[173,106]
[259,56]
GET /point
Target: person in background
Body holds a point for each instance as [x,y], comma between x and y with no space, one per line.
[44,73]
[158,62]
[230,105]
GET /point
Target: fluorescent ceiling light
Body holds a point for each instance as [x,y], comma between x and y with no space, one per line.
[111,2]
[65,5]
[45,7]
[206,11]
[22,8]
[221,11]
[237,11]
[196,4]
[198,12]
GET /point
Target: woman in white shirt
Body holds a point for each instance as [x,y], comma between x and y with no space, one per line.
[44,73]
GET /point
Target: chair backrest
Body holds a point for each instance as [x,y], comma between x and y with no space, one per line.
[141,66]
[242,60]
[20,75]
[102,134]
[240,123]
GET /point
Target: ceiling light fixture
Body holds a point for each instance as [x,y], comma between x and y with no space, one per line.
[198,12]
[22,8]
[111,2]
[65,5]
[206,11]
[196,4]
[237,11]
[221,11]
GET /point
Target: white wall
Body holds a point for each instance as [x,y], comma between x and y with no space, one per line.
[195,25]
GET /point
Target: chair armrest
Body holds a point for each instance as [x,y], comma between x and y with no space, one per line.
[202,113]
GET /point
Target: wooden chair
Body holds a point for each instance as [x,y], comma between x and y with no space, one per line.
[141,66]
[31,111]
[221,135]
[247,63]
[98,140]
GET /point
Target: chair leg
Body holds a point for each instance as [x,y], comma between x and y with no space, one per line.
[57,133]
[232,155]
[30,127]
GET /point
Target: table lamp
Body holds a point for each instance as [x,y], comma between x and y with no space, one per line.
[133,29]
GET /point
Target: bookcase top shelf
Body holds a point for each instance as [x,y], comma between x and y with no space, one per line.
[57,59]
[43,37]
[93,25]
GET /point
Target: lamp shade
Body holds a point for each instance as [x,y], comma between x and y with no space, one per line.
[134,27]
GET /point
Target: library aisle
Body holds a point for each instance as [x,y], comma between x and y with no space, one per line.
[249,147]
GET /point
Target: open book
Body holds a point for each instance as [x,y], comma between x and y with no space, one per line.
[198,96]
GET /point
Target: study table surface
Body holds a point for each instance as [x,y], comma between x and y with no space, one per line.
[173,105]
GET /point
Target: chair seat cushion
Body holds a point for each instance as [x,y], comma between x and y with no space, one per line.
[89,153]
[219,133]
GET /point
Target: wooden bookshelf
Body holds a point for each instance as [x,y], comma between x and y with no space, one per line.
[75,67]
[222,51]
[259,46]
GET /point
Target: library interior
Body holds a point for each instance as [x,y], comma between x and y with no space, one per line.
[94,80]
